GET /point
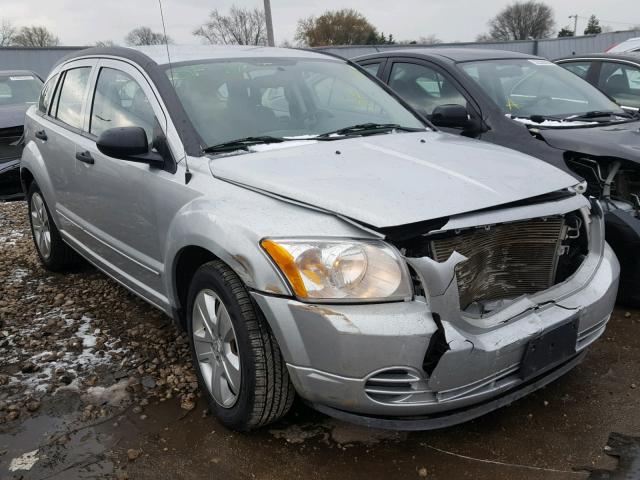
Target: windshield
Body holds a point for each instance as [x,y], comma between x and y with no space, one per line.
[19,89]
[236,99]
[532,87]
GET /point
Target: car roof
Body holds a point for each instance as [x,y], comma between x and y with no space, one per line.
[628,56]
[454,54]
[189,53]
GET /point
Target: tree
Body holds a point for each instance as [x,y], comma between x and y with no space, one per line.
[428,40]
[484,37]
[522,21]
[7,32]
[145,36]
[35,37]
[565,32]
[242,26]
[593,26]
[339,27]
[106,43]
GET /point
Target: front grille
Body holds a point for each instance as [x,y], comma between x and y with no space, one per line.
[503,261]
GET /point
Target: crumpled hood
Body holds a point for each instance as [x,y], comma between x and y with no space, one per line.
[621,140]
[12,115]
[397,179]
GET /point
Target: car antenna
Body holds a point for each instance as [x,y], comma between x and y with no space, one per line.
[187,173]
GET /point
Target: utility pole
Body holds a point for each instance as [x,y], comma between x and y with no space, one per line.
[575,22]
[267,17]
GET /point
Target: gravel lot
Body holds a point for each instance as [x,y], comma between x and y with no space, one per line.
[96,384]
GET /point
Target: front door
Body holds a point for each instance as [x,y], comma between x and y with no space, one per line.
[121,198]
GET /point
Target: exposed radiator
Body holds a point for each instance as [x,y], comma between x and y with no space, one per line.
[504,261]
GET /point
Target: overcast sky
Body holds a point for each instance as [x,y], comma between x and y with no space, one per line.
[82,22]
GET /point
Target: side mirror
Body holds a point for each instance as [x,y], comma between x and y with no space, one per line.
[452,116]
[128,143]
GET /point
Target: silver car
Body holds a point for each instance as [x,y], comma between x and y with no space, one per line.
[314,235]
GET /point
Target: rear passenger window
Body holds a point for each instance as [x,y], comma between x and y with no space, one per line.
[72,94]
[119,101]
[579,68]
[47,94]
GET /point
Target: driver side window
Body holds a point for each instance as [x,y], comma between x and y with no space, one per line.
[119,101]
[424,88]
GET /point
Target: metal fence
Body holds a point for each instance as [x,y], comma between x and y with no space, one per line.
[39,60]
[42,60]
[551,48]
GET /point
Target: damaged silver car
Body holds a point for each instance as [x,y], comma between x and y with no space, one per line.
[314,235]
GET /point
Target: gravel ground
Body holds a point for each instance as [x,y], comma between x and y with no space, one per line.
[94,383]
[79,332]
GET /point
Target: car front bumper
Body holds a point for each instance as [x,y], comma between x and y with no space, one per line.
[366,363]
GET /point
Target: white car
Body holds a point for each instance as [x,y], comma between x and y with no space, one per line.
[630,45]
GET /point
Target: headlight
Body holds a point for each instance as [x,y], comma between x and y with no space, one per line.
[326,269]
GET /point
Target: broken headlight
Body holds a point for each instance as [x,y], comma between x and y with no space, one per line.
[341,269]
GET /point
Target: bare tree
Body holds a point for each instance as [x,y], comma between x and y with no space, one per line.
[242,26]
[35,36]
[106,43]
[145,36]
[484,37]
[522,21]
[428,40]
[7,32]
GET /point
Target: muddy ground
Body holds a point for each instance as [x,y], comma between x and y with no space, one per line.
[96,384]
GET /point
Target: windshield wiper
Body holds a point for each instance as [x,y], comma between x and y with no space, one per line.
[243,143]
[598,114]
[368,129]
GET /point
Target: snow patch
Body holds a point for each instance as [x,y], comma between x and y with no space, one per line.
[24,461]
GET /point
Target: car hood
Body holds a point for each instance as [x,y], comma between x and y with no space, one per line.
[622,140]
[396,179]
[12,115]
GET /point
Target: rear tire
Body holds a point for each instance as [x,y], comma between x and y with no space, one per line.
[236,357]
[54,253]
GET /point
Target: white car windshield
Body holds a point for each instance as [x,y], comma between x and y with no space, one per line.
[528,88]
[284,98]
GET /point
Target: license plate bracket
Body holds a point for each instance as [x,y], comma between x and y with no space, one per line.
[550,348]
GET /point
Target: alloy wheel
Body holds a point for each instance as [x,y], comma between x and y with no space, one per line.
[40,225]
[216,348]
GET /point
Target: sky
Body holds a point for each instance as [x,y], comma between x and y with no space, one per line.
[82,22]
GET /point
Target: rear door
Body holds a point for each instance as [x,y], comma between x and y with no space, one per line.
[60,129]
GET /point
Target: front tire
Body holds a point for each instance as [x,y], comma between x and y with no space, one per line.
[236,357]
[54,253]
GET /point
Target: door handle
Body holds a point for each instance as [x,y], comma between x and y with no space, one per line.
[42,135]
[85,157]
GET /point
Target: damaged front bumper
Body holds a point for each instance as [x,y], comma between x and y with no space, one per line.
[425,363]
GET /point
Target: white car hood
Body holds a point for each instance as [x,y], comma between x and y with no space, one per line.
[396,179]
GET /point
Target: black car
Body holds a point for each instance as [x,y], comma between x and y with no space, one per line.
[19,89]
[617,75]
[530,104]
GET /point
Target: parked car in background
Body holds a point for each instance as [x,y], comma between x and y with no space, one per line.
[617,75]
[313,234]
[19,89]
[630,45]
[532,105]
